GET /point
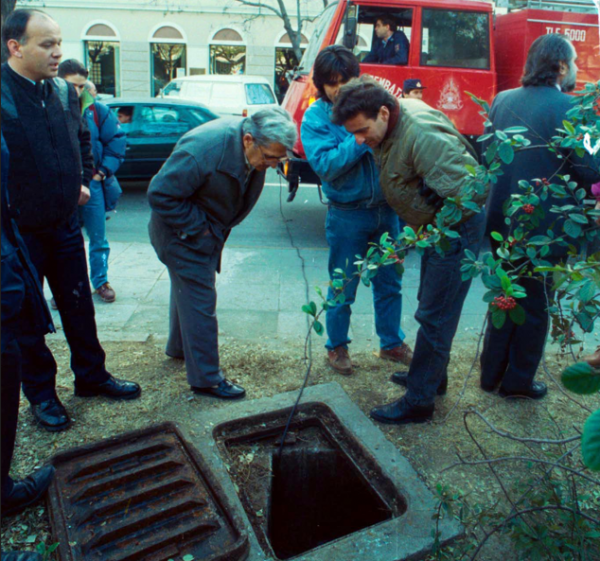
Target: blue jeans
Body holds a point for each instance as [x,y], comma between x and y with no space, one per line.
[94,220]
[441,296]
[348,234]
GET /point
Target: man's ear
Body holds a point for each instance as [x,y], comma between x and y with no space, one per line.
[563,68]
[14,48]
[248,140]
[384,113]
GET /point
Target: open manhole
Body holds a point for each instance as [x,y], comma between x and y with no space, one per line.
[322,487]
[142,496]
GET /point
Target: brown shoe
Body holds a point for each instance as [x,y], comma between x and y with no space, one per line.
[402,354]
[339,360]
[594,359]
[106,293]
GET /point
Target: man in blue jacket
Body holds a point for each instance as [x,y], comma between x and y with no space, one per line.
[391,46]
[357,214]
[108,147]
[23,308]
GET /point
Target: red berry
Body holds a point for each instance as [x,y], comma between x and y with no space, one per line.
[529,209]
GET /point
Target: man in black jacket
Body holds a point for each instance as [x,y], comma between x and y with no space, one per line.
[391,45]
[41,122]
[511,355]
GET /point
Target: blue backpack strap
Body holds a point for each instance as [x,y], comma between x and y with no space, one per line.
[62,88]
[8,102]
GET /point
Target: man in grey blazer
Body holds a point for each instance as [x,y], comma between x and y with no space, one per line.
[209,185]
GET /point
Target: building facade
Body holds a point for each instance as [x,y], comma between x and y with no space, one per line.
[135,47]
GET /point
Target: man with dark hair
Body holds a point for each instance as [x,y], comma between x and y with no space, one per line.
[413,89]
[108,147]
[418,145]
[511,354]
[125,114]
[357,213]
[41,122]
[209,185]
[391,45]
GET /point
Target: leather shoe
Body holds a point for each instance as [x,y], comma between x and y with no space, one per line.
[339,360]
[402,354]
[113,388]
[51,415]
[27,491]
[21,556]
[401,413]
[225,390]
[594,359]
[401,378]
[537,391]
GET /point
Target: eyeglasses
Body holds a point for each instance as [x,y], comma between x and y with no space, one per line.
[273,159]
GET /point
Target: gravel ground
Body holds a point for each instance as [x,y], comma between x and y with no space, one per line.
[265,371]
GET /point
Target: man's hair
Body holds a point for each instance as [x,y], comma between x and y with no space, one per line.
[71,67]
[15,25]
[361,95]
[271,125]
[388,20]
[543,60]
[126,110]
[332,64]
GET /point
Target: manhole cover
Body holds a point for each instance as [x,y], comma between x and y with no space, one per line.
[145,495]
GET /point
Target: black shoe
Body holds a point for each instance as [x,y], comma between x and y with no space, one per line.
[487,386]
[113,388]
[537,391]
[225,390]
[400,413]
[51,415]
[27,492]
[21,556]
[401,378]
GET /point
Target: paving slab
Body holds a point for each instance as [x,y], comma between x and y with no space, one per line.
[406,536]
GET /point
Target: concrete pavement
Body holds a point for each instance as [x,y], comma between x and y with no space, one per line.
[261,288]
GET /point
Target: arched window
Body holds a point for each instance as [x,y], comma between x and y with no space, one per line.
[167,56]
[227,53]
[285,61]
[102,57]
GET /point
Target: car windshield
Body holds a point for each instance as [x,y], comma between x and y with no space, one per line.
[172,89]
[314,46]
[259,94]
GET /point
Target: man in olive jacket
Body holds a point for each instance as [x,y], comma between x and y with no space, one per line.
[418,146]
[209,185]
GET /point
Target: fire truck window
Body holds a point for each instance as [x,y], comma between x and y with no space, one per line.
[369,47]
[316,40]
[455,39]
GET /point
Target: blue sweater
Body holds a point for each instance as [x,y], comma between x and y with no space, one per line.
[347,169]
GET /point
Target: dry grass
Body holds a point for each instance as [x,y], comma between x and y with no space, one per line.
[265,372]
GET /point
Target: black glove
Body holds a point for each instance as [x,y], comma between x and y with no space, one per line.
[430,196]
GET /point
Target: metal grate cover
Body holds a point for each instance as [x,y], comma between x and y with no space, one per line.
[146,495]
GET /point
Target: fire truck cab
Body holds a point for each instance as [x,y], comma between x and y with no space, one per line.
[452,50]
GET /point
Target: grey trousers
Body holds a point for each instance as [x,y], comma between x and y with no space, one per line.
[193,328]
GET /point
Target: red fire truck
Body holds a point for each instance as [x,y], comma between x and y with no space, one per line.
[455,47]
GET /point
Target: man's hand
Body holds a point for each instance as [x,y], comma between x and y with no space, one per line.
[97,177]
[430,196]
[84,195]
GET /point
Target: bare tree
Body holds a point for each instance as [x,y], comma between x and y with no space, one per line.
[280,10]
[7,7]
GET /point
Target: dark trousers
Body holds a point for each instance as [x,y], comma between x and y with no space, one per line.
[11,386]
[511,355]
[441,296]
[193,327]
[59,256]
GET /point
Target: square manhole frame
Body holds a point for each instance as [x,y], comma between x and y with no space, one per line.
[406,537]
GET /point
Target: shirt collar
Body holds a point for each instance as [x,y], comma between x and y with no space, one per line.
[24,77]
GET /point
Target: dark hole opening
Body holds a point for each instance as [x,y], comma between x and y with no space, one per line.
[317,496]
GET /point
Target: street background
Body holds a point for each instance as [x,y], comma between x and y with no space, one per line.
[261,287]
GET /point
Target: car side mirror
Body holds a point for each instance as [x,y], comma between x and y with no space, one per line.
[349,38]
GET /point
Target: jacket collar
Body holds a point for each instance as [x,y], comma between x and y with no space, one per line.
[233,161]
[394,118]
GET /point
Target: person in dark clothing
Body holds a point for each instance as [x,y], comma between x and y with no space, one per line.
[511,355]
[108,147]
[41,121]
[391,45]
[23,307]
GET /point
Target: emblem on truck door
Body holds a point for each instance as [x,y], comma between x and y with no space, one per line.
[450,97]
